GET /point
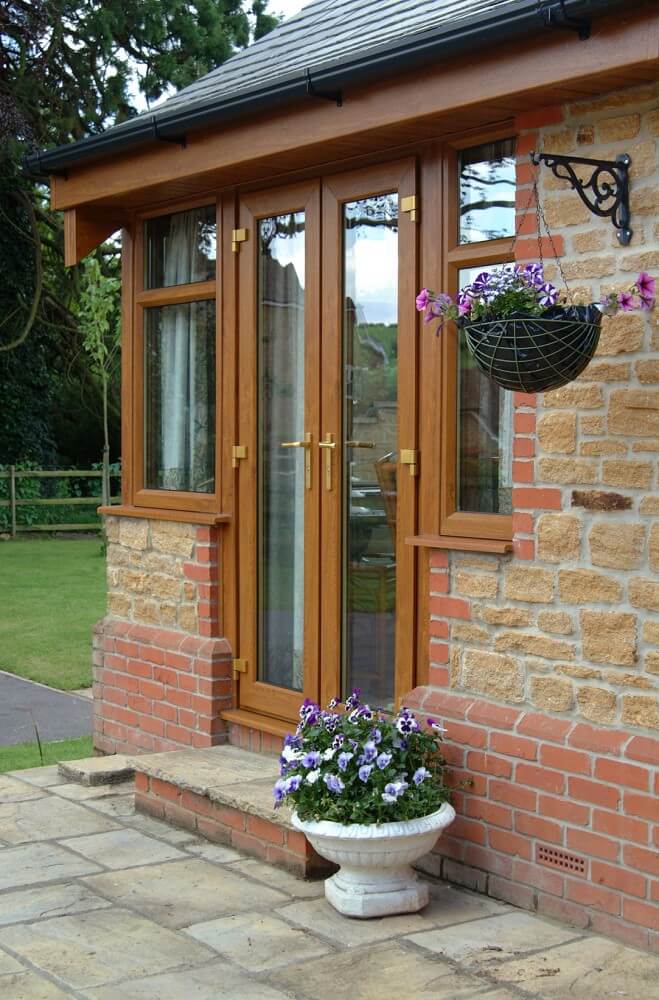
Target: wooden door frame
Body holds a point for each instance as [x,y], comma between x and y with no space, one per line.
[255,695]
[399,176]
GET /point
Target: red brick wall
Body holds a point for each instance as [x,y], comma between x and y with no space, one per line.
[525,782]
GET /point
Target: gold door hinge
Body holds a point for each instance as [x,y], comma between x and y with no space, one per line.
[238,452]
[239,667]
[238,236]
[408,204]
[410,457]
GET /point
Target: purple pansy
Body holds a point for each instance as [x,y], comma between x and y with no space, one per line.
[344,759]
[311,759]
[383,760]
[365,772]
[420,775]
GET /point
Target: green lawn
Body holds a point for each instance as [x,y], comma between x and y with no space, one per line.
[51,593]
[24,755]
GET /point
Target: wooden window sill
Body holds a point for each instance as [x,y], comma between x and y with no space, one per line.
[496,546]
[160,514]
[259,722]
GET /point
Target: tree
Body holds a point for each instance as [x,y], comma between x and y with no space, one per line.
[68,69]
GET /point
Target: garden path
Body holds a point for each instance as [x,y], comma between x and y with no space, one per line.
[58,715]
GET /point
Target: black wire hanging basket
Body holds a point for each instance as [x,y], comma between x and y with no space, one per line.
[526,353]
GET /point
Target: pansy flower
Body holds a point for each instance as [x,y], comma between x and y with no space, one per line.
[334,783]
[383,760]
[365,772]
[344,759]
[420,775]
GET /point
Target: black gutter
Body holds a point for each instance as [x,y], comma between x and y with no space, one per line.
[526,18]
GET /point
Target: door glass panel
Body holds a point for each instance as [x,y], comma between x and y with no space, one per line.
[370,422]
[281,470]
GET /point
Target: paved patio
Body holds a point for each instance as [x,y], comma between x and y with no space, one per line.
[99,902]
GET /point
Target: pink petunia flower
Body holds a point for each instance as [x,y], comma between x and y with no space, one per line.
[645,285]
[422,299]
[626,301]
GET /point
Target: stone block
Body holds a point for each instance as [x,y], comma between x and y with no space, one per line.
[649,505]
[618,546]
[557,432]
[559,537]
[644,593]
[529,584]
[134,533]
[558,622]
[589,267]
[634,412]
[491,674]
[168,537]
[581,397]
[606,371]
[566,470]
[505,616]
[609,636]
[552,694]
[622,334]
[592,423]
[97,770]
[119,605]
[476,584]
[584,586]
[600,500]
[619,127]
[631,475]
[640,710]
[468,632]
[651,662]
[593,239]
[605,446]
[651,631]
[647,372]
[534,645]
[597,704]
[654,547]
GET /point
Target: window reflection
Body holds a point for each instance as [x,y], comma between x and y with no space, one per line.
[180,248]
[370,421]
[484,432]
[487,191]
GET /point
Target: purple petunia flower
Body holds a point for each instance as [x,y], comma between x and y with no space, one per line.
[420,775]
[547,295]
[645,285]
[365,772]
[626,301]
[383,760]
[334,783]
[422,299]
[344,759]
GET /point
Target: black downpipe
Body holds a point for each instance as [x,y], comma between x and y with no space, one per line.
[526,19]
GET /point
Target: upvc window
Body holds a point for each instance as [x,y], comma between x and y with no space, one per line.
[477,457]
[175,361]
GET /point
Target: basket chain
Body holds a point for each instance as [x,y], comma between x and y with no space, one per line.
[540,222]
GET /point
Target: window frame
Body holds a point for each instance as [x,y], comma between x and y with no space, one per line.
[456,256]
[143,299]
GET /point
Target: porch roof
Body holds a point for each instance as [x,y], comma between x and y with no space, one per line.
[329,45]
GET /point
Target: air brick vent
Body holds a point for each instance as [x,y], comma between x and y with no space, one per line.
[560,859]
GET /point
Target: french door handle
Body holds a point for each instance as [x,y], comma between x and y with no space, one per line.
[328,444]
[306,446]
[360,444]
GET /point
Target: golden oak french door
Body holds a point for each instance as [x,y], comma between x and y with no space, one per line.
[327,413]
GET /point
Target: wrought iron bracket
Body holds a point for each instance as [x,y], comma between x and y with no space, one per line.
[336,96]
[605,192]
[555,15]
[178,140]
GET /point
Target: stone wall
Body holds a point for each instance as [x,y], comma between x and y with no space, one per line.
[162,673]
[566,629]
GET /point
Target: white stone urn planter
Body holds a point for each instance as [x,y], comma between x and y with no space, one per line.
[375,877]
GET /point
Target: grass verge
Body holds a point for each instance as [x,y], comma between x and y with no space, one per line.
[24,755]
[51,592]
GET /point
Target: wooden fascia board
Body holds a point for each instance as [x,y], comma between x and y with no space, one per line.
[85,229]
[619,48]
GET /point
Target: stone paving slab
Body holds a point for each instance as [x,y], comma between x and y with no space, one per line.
[141,911]
[97,770]
[58,715]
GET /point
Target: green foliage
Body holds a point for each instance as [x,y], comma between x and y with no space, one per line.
[98,316]
[24,755]
[68,69]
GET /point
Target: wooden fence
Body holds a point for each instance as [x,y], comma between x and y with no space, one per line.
[14,502]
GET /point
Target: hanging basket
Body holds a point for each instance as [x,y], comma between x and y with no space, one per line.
[534,353]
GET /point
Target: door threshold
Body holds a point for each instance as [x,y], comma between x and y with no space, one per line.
[262,723]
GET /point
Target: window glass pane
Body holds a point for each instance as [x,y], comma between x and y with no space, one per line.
[487,192]
[370,446]
[484,434]
[281,471]
[180,248]
[179,397]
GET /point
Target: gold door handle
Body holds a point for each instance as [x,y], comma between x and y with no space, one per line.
[328,444]
[360,444]
[306,446]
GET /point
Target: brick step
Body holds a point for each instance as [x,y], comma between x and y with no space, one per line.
[225,794]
